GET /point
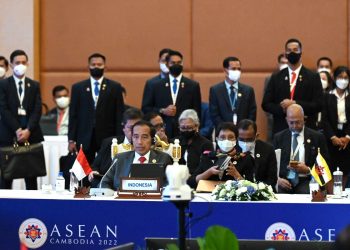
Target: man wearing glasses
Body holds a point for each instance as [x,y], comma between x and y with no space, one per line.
[265,164]
[293,85]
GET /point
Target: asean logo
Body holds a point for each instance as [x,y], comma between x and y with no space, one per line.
[280,231]
[32,233]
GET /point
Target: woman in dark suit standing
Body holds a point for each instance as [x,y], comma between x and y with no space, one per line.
[336,117]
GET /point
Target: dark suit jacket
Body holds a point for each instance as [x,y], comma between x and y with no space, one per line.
[158,95]
[9,104]
[122,167]
[265,163]
[220,105]
[330,116]
[308,94]
[312,141]
[83,117]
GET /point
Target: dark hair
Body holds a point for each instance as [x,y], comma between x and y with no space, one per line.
[173,53]
[149,116]
[123,90]
[329,79]
[339,70]
[245,124]
[163,51]
[280,56]
[227,60]
[324,58]
[17,52]
[145,123]
[2,58]
[131,114]
[293,40]
[94,55]
[58,88]
[226,126]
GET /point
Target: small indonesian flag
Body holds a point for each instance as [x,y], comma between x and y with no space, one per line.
[320,171]
[81,166]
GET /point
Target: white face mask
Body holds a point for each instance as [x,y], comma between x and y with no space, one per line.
[62,102]
[342,83]
[246,146]
[324,69]
[283,66]
[20,69]
[226,145]
[234,75]
[163,68]
[2,72]
[324,83]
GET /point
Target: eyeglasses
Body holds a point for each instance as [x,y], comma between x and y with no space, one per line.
[159,126]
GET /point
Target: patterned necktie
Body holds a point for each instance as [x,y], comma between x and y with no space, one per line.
[142,159]
[292,174]
[20,89]
[294,145]
[174,86]
[232,97]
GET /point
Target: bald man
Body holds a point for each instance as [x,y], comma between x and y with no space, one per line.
[299,146]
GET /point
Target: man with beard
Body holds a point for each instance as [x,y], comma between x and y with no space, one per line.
[172,95]
[293,85]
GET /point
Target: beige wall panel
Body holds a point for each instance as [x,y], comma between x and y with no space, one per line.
[129,33]
[256,31]
[255,80]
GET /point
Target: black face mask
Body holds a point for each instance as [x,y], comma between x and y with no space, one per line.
[175,70]
[293,57]
[96,72]
[188,134]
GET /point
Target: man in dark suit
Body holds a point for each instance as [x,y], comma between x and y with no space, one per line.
[295,84]
[20,110]
[60,113]
[231,100]
[164,71]
[172,95]
[142,136]
[103,159]
[96,109]
[265,164]
[299,147]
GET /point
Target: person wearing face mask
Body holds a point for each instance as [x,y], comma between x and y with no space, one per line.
[265,164]
[60,96]
[293,85]
[191,142]
[96,109]
[336,119]
[324,64]
[4,66]
[172,95]
[231,100]
[20,110]
[299,148]
[240,165]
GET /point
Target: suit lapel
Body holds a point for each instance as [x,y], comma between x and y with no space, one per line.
[180,92]
[167,90]
[223,93]
[299,83]
[87,91]
[240,92]
[307,145]
[105,86]
[27,90]
[127,164]
[285,88]
[153,157]
[13,90]
[287,142]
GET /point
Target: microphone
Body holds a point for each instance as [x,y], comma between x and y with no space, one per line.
[113,163]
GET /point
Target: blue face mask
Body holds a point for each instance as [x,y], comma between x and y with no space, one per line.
[246,146]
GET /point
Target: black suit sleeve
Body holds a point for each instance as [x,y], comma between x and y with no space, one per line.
[252,106]
[6,115]
[73,113]
[197,100]
[268,103]
[214,107]
[271,175]
[148,99]
[103,158]
[120,108]
[35,114]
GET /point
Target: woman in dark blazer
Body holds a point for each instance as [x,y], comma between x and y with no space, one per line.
[336,117]
[240,166]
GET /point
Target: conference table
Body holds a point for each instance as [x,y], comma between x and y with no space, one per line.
[56,220]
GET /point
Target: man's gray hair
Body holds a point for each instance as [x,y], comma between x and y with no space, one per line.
[190,114]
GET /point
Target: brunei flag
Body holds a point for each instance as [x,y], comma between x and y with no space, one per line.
[320,171]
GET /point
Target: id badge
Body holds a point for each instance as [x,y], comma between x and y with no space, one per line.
[22,111]
[234,118]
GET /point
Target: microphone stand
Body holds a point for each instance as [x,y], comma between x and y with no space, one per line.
[181,205]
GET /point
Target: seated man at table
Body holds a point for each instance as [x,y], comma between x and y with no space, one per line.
[142,136]
[103,159]
[299,148]
[211,165]
[265,164]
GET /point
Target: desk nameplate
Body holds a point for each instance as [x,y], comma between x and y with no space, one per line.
[139,188]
